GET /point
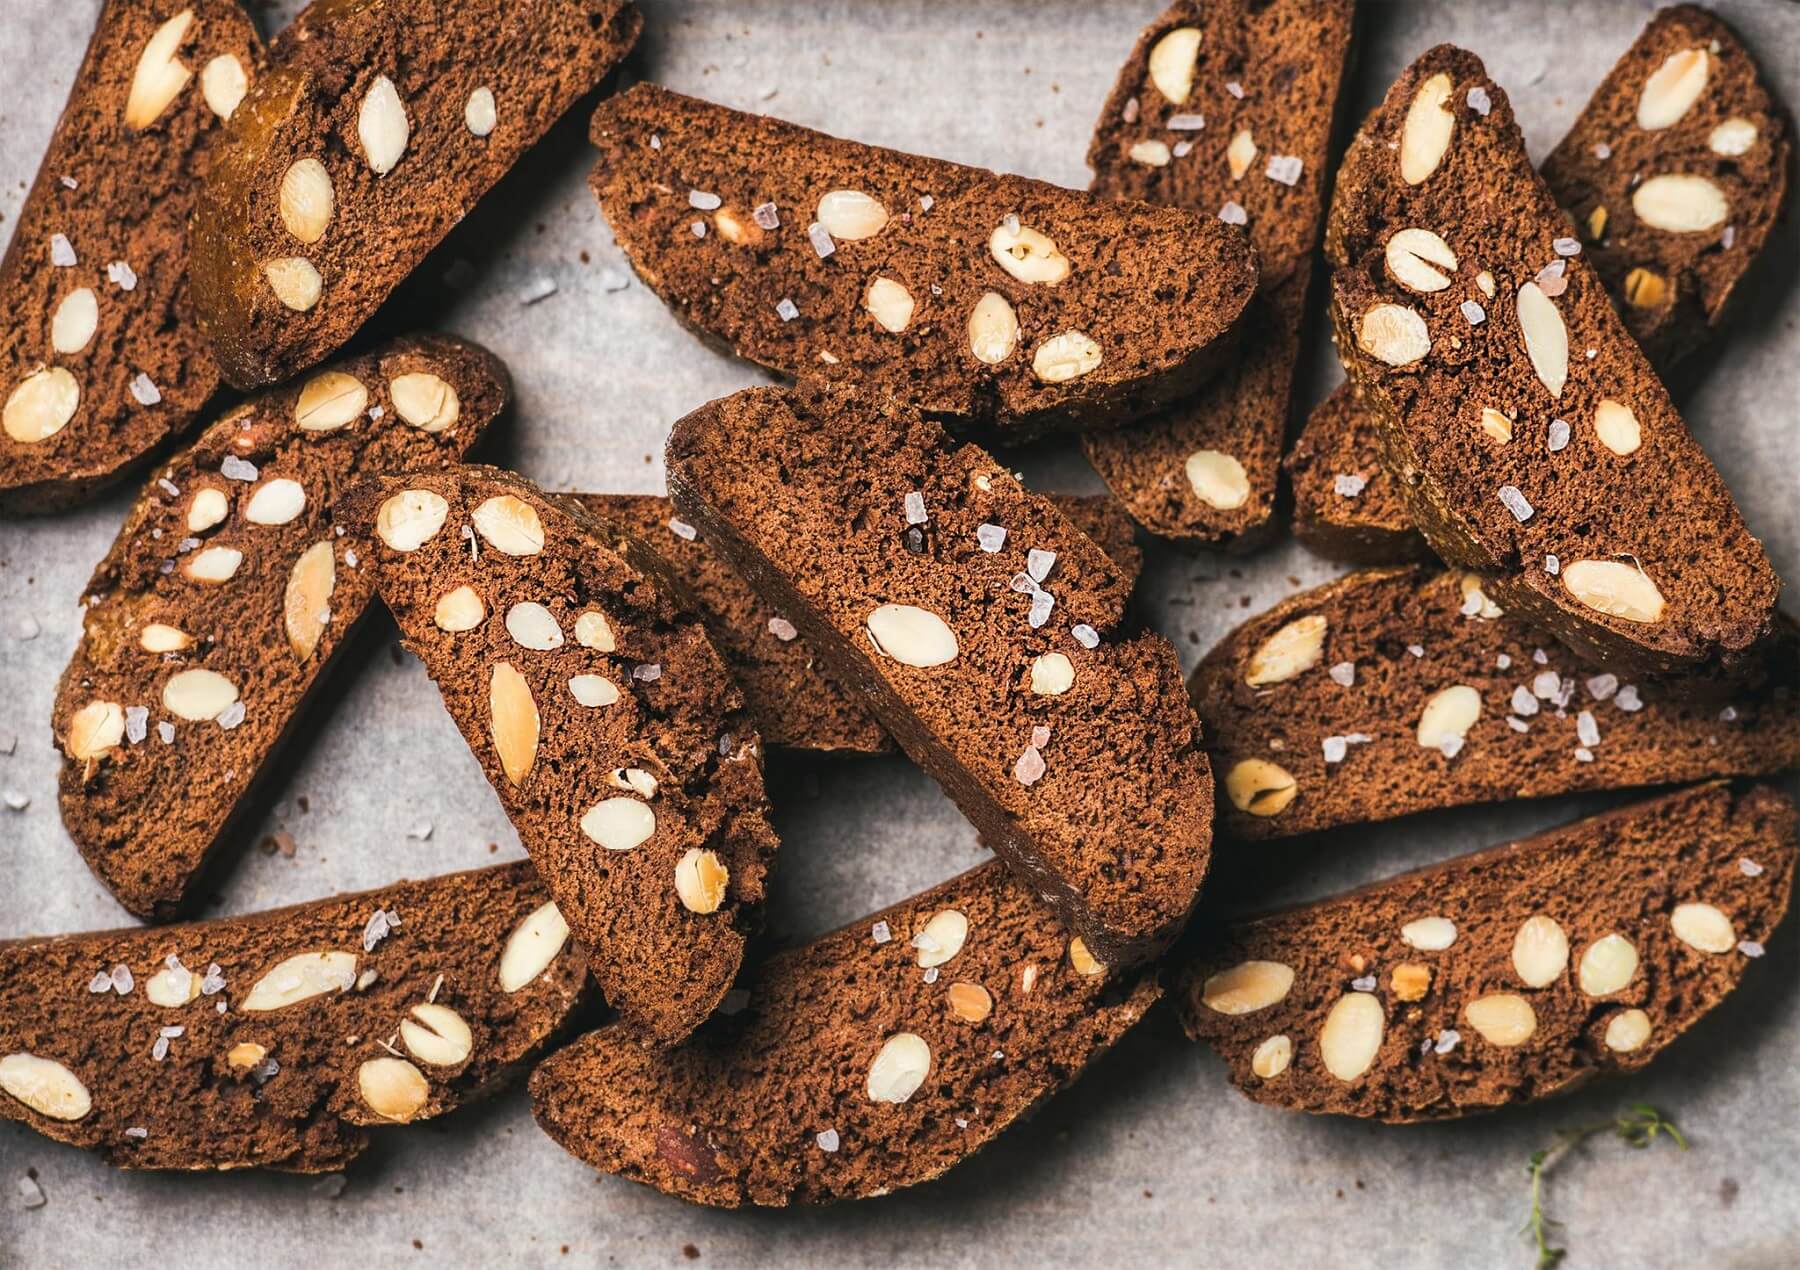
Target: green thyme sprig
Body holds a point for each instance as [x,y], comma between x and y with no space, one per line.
[1638,1127]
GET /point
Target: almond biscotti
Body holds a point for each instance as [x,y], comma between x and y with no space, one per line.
[1505,976]
[870,1059]
[1226,110]
[604,719]
[100,360]
[379,124]
[1401,690]
[985,631]
[982,299]
[1532,439]
[277,1038]
[225,599]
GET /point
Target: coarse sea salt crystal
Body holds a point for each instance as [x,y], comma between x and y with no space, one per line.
[787,309]
[1479,101]
[1475,314]
[1030,767]
[1343,674]
[1586,729]
[1285,168]
[121,275]
[766,215]
[991,537]
[782,629]
[1233,213]
[1348,484]
[820,237]
[1558,435]
[915,508]
[827,1139]
[1085,635]
[880,932]
[1039,563]
[62,253]
[704,201]
[682,530]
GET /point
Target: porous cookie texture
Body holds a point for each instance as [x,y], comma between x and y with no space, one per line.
[378,126]
[225,599]
[604,719]
[100,360]
[1532,440]
[1685,100]
[1504,976]
[1399,690]
[794,701]
[983,299]
[876,1057]
[276,1039]
[983,629]
[1225,110]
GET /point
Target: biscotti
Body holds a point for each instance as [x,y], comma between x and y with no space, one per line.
[1398,690]
[1532,440]
[100,360]
[873,1058]
[795,703]
[1670,286]
[1505,976]
[378,126]
[984,630]
[225,598]
[275,1039]
[1225,110]
[603,717]
[985,300]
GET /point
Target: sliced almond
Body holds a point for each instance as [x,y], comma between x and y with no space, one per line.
[306,200]
[223,84]
[1052,674]
[1351,1037]
[1240,153]
[512,721]
[592,630]
[94,729]
[330,400]
[899,1068]
[160,75]
[41,406]
[700,881]
[1082,961]
[993,329]
[382,127]
[1496,425]
[912,636]
[1614,588]
[1540,951]
[1546,338]
[213,565]
[1672,89]
[206,508]
[1732,138]
[1259,787]
[1425,135]
[306,604]
[969,1002]
[198,695]
[1429,934]
[437,1035]
[276,502]
[295,281]
[533,626]
[1420,260]
[424,400]
[1171,63]
[1503,1018]
[890,304]
[160,637]
[1272,1057]
[849,215]
[941,938]
[1680,204]
[1393,333]
[1627,1031]
[1150,152]
[593,691]
[76,318]
[1447,717]
[619,824]
[510,525]
[1617,427]
[300,978]
[408,520]
[45,1085]
[1247,987]
[1608,964]
[532,946]
[393,1088]
[1703,927]
[1027,254]
[1065,356]
[1289,653]
[1217,479]
[460,610]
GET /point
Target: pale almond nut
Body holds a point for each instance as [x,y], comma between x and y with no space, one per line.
[1247,987]
[437,1035]
[159,637]
[1289,653]
[900,1068]
[941,938]
[592,630]
[619,824]
[479,112]
[213,565]
[1703,928]
[1410,981]
[245,1056]
[160,75]
[912,636]
[41,406]
[1351,1037]
[512,722]
[295,282]
[382,127]
[1272,1057]
[734,229]
[1627,1031]
[1596,222]
[393,1088]
[890,304]
[1732,138]
[198,695]
[301,978]
[533,626]
[1241,153]
[1447,717]
[1420,260]
[1645,289]
[45,1085]
[408,520]
[593,690]
[207,508]
[1615,589]
[700,879]
[510,525]
[172,987]
[1260,787]
[633,778]
[1540,951]
[1672,88]
[1393,333]
[330,400]
[306,200]
[1150,153]
[993,329]
[1429,934]
[276,502]
[1617,427]
[1680,204]
[1475,600]
[1485,281]
[424,400]
[1425,135]
[1065,356]
[1027,254]
[223,84]
[94,729]
[306,604]
[1217,479]
[1171,63]
[73,324]
[532,946]
[1503,1018]
[460,610]
[1496,425]
[1546,338]
[1084,962]
[1052,674]
[1607,965]
[851,215]
[969,1002]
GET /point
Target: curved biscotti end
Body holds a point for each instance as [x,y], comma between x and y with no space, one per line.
[226,597]
[100,361]
[894,1049]
[353,158]
[270,1040]
[603,717]
[981,298]
[1503,976]
[1346,505]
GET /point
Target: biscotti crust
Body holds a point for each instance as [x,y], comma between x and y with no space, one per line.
[379,125]
[1501,977]
[206,1046]
[226,598]
[870,1059]
[100,359]
[1099,313]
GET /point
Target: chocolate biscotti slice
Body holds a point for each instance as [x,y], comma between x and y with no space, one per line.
[100,360]
[984,630]
[1226,110]
[378,126]
[1398,690]
[794,701]
[1504,976]
[604,719]
[273,1039]
[1533,441]
[873,1058]
[225,598]
[982,299]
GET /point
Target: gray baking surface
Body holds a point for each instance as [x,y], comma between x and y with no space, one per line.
[1152,1158]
